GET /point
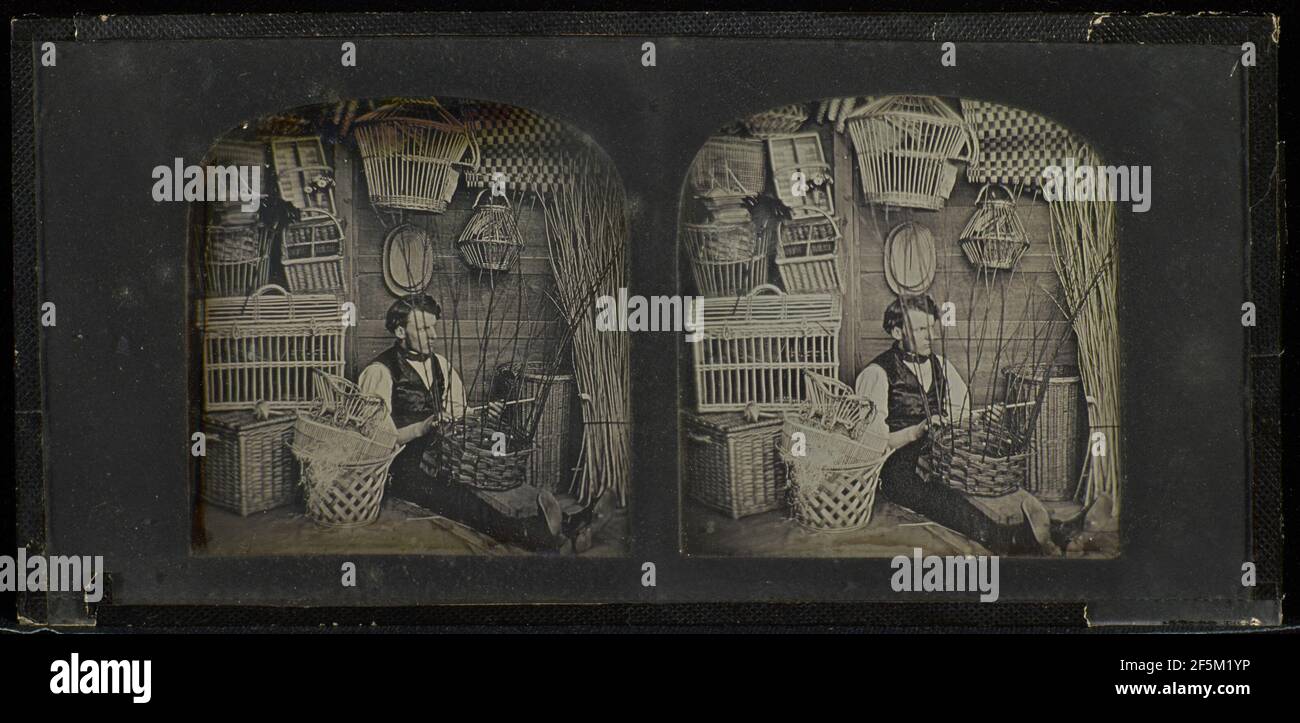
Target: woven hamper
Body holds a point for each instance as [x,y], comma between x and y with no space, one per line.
[1059,441]
[248,467]
[732,464]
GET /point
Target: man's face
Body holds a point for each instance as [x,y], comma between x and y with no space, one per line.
[916,332]
[420,332]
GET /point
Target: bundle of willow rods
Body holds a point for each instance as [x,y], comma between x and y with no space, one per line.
[586,231]
[1083,241]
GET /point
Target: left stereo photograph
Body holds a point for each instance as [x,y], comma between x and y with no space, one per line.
[391,348]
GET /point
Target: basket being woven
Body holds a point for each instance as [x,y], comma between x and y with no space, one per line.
[467,451]
[979,460]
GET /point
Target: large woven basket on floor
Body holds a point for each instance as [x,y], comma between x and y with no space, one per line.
[1059,439]
[732,463]
[994,237]
[906,146]
[462,453]
[412,153]
[344,495]
[979,460]
[248,467]
[836,499]
[551,463]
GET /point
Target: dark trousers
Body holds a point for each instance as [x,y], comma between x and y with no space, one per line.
[898,475]
[459,502]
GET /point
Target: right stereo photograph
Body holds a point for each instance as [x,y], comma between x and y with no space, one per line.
[908,333]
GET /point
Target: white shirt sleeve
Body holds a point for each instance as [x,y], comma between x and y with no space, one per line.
[377,380]
[873,384]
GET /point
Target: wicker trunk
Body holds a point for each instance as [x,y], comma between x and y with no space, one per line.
[732,464]
[248,467]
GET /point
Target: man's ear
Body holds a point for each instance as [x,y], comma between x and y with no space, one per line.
[400,332]
[897,333]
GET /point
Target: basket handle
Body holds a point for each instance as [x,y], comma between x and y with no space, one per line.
[266,290]
[504,197]
[972,146]
[765,287]
[979,197]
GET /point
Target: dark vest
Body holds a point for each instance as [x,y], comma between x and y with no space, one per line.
[908,403]
[412,401]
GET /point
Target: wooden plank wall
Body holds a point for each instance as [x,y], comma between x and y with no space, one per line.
[487,319]
[1031,322]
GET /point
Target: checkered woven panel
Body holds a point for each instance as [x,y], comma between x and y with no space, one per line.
[532,152]
[1015,145]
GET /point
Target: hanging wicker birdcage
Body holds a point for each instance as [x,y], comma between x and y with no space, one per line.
[994,237]
[491,240]
[412,154]
[906,146]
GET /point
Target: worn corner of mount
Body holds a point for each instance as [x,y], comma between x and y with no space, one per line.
[1097,20]
[1276,35]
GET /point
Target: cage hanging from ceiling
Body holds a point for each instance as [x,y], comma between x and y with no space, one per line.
[412,153]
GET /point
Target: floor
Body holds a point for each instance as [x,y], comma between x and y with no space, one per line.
[893,530]
[402,528]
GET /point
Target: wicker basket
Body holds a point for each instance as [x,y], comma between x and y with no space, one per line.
[305,179]
[462,453]
[801,154]
[777,122]
[311,251]
[732,464]
[265,347]
[551,464]
[756,348]
[721,241]
[840,500]
[807,255]
[1059,439]
[248,467]
[994,237]
[906,146]
[491,240]
[978,460]
[730,278]
[344,495]
[412,153]
[728,168]
[235,261]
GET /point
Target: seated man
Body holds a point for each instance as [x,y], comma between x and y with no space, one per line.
[912,387]
[421,391]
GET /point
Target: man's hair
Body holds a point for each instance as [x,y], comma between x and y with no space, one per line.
[400,312]
[894,318]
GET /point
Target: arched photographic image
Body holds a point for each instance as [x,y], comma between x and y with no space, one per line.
[910,334]
[393,349]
